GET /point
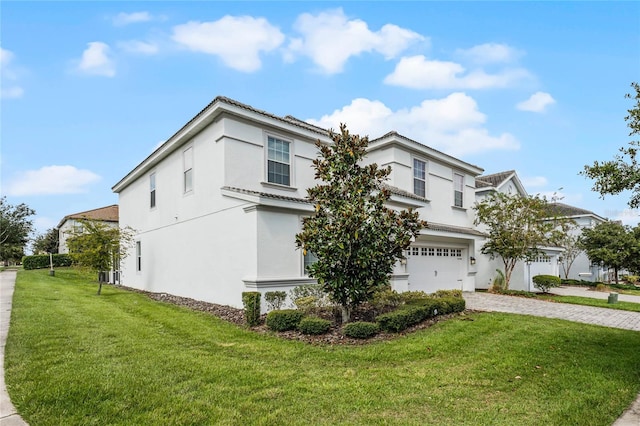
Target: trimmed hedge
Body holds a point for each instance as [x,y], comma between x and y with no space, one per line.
[546,282]
[251,302]
[418,311]
[314,325]
[41,261]
[360,329]
[284,320]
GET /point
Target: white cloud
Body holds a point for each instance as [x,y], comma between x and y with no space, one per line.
[122,18]
[452,124]
[330,39]
[8,75]
[136,46]
[534,181]
[538,102]
[629,217]
[238,41]
[490,53]
[417,72]
[51,180]
[96,60]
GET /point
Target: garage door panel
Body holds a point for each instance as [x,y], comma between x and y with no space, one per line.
[434,268]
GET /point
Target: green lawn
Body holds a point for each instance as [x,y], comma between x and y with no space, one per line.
[588,301]
[121,359]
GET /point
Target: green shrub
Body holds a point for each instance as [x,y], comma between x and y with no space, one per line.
[284,320]
[41,261]
[447,293]
[307,304]
[360,329]
[520,293]
[546,282]
[443,306]
[499,282]
[275,299]
[314,325]
[306,291]
[251,302]
[455,304]
[602,287]
[385,300]
[409,297]
[404,318]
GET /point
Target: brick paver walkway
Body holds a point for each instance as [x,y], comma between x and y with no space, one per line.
[585,314]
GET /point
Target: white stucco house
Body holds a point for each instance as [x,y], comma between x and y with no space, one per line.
[581,269]
[71,224]
[217,206]
[547,263]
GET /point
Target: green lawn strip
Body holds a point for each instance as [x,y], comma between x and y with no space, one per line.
[588,301]
[121,358]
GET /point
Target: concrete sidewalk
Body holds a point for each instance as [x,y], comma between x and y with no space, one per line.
[584,314]
[8,414]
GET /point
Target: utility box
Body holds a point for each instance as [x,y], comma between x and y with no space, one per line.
[613,298]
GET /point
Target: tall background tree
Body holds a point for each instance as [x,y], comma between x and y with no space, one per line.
[612,245]
[99,247]
[516,226]
[47,242]
[355,237]
[16,227]
[623,172]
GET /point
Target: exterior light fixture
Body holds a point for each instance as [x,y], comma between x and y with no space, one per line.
[472,260]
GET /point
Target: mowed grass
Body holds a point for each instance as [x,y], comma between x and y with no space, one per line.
[75,358]
[588,301]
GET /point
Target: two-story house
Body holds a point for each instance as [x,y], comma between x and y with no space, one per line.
[216,208]
[72,223]
[546,263]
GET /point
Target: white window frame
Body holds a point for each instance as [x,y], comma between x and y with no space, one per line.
[422,179]
[153,193]
[187,170]
[138,256]
[289,142]
[308,260]
[458,188]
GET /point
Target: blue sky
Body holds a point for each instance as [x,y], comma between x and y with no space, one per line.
[89,89]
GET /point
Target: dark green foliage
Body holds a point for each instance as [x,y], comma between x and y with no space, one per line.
[284,320]
[47,242]
[360,329]
[15,228]
[41,261]
[418,310]
[355,236]
[251,302]
[314,325]
[456,304]
[623,172]
[275,299]
[613,245]
[411,297]
[386,300]
[546,282]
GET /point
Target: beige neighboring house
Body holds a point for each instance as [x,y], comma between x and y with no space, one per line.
[71,224]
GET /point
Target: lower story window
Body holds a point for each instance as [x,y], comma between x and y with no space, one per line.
[138,256]
[309,259]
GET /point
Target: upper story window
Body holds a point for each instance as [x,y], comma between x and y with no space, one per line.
[152,190]
[278,161]
[187,173]
[458,190]
[419,177]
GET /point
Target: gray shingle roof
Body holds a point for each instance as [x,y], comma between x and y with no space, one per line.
[266,195]
[561,209]
[456,229]
[493,180]
[103,214]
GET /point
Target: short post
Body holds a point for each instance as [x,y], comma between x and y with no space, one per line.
[613,297]
[51,271]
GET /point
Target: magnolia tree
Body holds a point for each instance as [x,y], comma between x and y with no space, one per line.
[100,247]
[516,226]
[355,237]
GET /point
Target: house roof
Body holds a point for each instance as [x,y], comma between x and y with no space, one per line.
[103,214]
[266,195]
[456,229]
[565,210]
[495,180]
[222,104]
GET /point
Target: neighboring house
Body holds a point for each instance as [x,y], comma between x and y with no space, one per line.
[71,224]
[581,269]
[547,263]
[217,207]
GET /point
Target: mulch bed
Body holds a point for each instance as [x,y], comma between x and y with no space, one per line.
[333,337]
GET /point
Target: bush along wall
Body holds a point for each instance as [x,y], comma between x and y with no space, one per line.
[41,261]
[418,311]
[251,302]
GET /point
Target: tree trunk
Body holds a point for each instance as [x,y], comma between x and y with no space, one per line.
[99,288]
[346,314]
[615,274]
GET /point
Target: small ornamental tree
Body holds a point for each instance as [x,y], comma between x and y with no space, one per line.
[47,242]
[516,227]
[99,247]
[610,244]
[16,226]
[355,237]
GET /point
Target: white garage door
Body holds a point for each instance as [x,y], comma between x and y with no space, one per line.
[434,268]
